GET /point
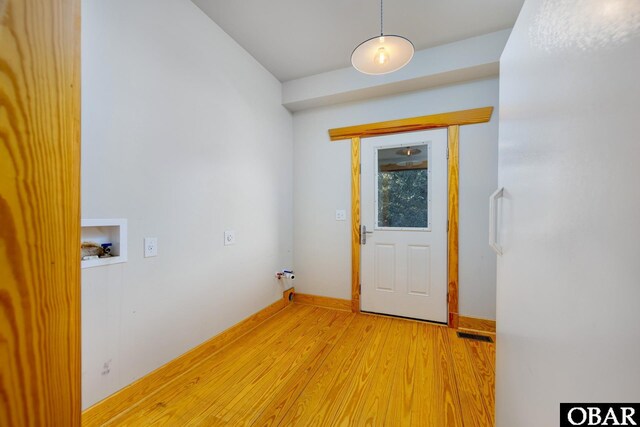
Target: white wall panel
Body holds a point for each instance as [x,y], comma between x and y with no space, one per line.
[322,174]
[183,134]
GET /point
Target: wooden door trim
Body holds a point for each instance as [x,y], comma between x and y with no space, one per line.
[452,121]
[453,162]
[412,124]
[355,224]
[40,373]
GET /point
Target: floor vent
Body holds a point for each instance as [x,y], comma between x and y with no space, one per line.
[474,337]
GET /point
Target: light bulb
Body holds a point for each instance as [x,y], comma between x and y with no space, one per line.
[381,57]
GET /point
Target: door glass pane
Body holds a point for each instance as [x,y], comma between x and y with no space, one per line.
[402,187]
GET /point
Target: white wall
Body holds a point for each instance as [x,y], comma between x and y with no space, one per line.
[183,134]
[322,174]
[569,279]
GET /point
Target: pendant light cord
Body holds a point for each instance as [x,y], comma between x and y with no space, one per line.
[381,19]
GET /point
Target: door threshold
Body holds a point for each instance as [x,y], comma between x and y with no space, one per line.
[394,316]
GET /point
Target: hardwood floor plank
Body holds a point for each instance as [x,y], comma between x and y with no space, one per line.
[484,371]
[307,408]
[290,375]
[218,367]
[376,401]
[490,352]
[399,411]
[281,403]
[349,400]
[313,366]
[327,410]
[221,399]
[279,374]
[436,396]
[472,397]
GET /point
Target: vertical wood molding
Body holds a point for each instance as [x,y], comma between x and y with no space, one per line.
[453,167]
[355,225]
[452,121]
[40,212]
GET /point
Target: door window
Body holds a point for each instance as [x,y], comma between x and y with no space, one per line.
[402,183]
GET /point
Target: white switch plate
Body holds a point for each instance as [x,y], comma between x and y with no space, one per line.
[341,215]
[229,237]
[150,247]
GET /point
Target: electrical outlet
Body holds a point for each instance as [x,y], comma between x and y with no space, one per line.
[341,215]
[229,237]
[150,247]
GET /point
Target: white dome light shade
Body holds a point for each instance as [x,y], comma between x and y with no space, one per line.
[382,54]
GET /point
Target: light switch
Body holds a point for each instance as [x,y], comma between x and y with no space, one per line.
[150,247]
[341,215]
[229,237]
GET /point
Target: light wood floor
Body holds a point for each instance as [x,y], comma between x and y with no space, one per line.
[315,366]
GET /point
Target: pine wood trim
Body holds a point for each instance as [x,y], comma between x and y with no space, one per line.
[452,121]
[477,324]
[453,180]
[288,295]
[40,371]
[150,383]
[433,121]
[355,225]
[320,301]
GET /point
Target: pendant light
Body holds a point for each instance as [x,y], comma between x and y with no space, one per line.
[382,54]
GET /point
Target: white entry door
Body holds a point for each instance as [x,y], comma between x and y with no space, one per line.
[404,225]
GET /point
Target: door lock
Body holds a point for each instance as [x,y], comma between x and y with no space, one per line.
[363,234]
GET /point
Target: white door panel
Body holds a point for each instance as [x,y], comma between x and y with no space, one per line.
[419,269]
[385,267]
[404,204]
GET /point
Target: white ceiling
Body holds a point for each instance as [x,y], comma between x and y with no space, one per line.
[298,38]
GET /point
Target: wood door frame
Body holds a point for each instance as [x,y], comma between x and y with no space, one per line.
[40,373]
[452,121]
